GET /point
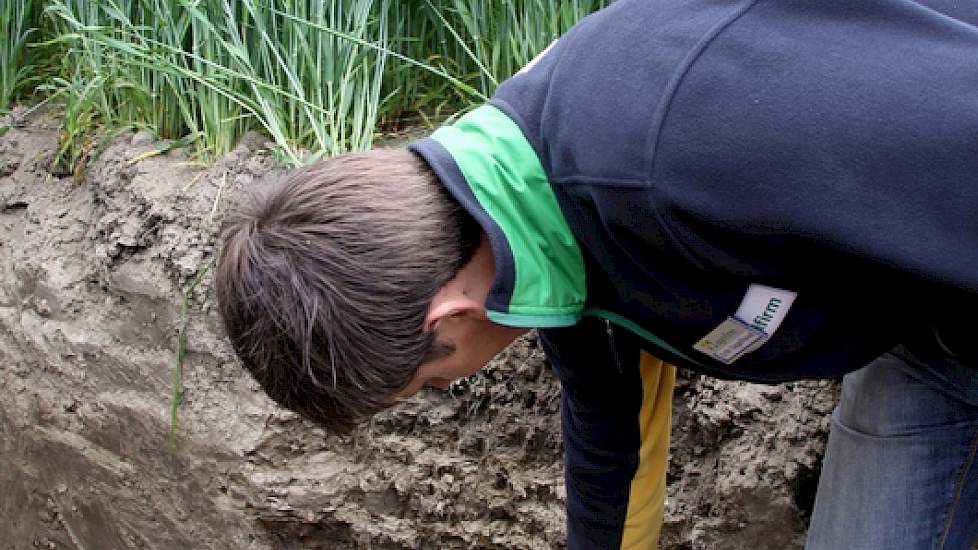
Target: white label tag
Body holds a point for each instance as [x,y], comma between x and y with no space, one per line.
[730,340]
[759,315]
[765,307]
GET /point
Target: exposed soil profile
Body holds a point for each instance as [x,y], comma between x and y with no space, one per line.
[90,274]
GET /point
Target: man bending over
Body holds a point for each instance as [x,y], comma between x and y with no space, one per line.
[761,191]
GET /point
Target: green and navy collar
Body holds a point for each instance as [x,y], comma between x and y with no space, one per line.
[488,165]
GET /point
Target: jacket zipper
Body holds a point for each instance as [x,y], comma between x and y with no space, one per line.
[612,344]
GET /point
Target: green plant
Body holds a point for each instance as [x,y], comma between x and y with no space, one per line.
[74,140]
[177,389]
[317,77]
[309,75]
[481,43]
[18,22]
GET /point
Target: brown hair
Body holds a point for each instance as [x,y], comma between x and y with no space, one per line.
[324,281]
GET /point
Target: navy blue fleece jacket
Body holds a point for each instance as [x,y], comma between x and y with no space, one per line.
[830,148]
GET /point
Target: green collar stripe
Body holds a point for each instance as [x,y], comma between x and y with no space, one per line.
[506,177]
[639,331]
[534,321]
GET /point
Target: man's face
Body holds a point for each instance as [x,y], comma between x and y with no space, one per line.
[476,342]
[457,316]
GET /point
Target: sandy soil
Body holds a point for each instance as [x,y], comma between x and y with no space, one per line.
[89,302]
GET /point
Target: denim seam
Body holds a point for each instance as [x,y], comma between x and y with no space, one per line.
[896,436]
[959,488]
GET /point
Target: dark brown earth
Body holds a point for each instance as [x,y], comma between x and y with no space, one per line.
[90,274]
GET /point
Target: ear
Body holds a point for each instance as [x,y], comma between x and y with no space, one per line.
[452,302]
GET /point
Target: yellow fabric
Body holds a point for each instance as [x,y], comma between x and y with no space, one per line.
[647,496]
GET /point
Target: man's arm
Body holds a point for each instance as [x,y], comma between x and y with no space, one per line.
[616,410]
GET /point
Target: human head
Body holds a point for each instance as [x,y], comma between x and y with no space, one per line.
[325,282]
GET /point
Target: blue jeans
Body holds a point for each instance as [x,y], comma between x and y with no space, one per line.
[900,470]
